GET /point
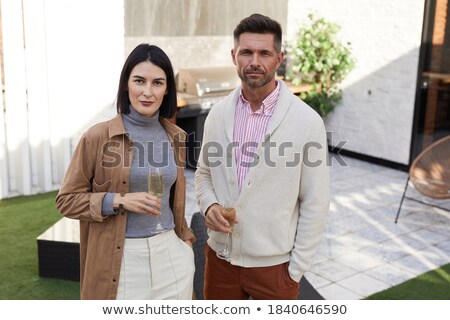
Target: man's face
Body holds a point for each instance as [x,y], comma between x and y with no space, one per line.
[256,59]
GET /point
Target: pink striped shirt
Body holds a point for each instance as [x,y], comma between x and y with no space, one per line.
[249,130]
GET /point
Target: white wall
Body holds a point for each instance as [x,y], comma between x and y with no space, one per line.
[188,52]
[62,61]
[385,37]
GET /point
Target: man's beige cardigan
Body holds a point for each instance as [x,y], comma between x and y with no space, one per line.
[282,206]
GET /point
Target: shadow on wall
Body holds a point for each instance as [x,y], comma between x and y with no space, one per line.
[375,116]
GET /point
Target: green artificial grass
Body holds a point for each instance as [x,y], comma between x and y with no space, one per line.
[433,285]
[22,219]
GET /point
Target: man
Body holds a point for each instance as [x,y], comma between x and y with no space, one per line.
[265,150]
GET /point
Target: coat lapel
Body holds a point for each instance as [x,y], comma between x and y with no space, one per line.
[228,121]
[229,112]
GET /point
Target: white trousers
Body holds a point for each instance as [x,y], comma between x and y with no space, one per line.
[156,268]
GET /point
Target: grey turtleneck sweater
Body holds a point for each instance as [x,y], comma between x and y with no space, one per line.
[151,148]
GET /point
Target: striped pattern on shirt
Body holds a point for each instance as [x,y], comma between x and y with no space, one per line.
[249,130]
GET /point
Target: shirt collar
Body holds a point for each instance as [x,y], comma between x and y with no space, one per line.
[268,103]
[116,126]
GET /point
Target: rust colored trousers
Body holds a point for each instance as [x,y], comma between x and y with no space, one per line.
[224,281]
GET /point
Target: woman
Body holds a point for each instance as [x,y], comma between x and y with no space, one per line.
[124,254]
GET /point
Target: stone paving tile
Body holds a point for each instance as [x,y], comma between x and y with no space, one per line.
[333,270]
[390,274]
[413,193]
[316,280]
[359,260]
[412,242]
[352,224]
[416,264]
[330,249]
[386,251]
[363,284]
[334,291]
[443,229]
[397,229]
[333,231]
[341,186]
[375,234]
[353,241]
[445,245]
[428,236]
[341,208]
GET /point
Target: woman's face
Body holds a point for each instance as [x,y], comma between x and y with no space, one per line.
[147,86]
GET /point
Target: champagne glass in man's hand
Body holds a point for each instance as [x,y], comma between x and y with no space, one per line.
[229,213]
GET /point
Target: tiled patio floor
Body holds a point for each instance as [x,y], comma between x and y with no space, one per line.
[363,251]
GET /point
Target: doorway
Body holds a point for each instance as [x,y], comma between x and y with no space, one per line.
[432,109]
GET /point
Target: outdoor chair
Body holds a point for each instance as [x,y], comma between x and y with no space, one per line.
[430,173]
[306,292]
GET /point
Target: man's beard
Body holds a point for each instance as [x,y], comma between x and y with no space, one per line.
[255,83]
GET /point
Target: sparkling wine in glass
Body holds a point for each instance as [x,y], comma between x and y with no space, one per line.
[229,213]
[156,188]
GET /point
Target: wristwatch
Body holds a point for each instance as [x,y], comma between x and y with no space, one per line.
[121,209]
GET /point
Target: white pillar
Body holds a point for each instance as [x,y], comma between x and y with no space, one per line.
[4,175]
[16,115]
[38,101]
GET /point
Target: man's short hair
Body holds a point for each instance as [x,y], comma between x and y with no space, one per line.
[258,23]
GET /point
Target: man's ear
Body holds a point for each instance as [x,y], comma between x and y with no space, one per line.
[280,58]
[233,56]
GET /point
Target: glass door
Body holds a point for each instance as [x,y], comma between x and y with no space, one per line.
[432,111]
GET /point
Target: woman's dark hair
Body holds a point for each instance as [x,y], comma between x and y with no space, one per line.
[154,54]
[257,23]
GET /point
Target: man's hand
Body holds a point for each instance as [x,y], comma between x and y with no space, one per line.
[215,221]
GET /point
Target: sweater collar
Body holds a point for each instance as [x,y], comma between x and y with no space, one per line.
[116,128]
[137,119]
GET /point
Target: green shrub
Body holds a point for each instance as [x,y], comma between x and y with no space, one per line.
[317,57]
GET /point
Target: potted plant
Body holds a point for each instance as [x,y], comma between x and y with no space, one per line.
[317,58]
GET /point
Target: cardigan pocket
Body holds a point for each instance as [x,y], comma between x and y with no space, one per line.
[104,187]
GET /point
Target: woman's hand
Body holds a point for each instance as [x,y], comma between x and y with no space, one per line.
[189,243]
[139,202]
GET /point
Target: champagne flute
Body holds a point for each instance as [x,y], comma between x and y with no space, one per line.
[156,188]
[229,213]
